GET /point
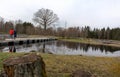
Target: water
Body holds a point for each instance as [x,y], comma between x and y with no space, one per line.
[68,48]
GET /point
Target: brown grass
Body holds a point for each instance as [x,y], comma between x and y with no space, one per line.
[64,65]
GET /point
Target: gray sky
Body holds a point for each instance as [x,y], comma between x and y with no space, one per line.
[95,13]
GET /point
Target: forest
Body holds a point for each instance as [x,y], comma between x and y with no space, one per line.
[70,32]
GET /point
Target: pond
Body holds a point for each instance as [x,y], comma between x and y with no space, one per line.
[68,48]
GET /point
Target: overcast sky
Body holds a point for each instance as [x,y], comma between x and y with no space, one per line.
[95,13]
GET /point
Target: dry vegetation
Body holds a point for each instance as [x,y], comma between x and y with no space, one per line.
[64,65]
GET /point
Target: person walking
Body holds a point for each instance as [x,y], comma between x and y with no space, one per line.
[15,34]
[11,32]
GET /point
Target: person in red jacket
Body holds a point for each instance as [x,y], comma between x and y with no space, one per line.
[11,32]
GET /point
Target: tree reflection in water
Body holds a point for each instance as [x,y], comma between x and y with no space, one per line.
[85,47]
[69,48]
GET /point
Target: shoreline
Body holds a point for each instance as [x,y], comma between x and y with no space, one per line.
[113,43]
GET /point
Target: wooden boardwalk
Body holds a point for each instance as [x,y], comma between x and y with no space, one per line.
[20,41]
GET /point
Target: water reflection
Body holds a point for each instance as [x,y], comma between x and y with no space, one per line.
[12,49]
[69,48]
[85,47]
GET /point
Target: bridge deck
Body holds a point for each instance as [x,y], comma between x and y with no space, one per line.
[20,41]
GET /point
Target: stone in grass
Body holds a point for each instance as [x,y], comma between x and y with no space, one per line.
[81,73]
[29,65]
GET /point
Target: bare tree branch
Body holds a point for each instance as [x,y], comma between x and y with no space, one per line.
[45,17]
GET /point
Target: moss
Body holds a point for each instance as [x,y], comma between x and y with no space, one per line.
[3,56]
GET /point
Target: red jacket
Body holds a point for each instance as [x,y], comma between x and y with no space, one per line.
[11,32]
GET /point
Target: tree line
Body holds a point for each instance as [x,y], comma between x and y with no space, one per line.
[45,19]
[87,32]
[70,32]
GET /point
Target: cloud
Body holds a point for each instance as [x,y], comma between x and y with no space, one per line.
[75,12]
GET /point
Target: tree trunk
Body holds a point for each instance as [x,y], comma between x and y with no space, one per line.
[29,65]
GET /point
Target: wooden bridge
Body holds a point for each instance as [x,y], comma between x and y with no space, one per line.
[20,41]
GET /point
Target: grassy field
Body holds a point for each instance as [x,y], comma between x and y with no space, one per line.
[64,65]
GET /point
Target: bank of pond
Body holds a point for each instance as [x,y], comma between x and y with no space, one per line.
[63,58]
[66,65]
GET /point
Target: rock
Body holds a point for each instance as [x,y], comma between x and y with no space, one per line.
[81,73]
[29,65]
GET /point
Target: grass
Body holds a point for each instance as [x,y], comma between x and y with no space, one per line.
[64,65]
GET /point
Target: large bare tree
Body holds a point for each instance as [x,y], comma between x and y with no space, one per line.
[45,17]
